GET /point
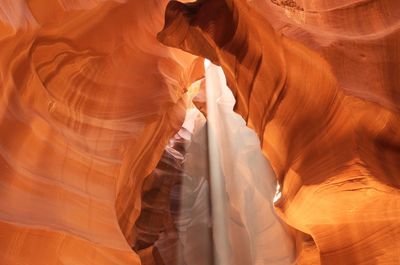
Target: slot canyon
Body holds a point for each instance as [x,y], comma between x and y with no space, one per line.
[208,132]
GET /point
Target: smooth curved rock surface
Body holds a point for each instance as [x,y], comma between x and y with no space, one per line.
[317,82]
[88,100]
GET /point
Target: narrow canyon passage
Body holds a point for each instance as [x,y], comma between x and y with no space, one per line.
[175,223]
[210,198]
[119,146]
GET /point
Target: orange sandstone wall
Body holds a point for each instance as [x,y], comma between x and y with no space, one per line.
[88,101]
[318,82]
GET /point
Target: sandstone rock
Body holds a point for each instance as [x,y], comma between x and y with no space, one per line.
[316,84]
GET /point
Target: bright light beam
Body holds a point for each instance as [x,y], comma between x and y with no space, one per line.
[217,184]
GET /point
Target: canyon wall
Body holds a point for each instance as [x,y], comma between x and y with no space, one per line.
[88,101]
[317,81]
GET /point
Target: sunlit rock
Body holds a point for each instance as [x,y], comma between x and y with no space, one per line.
[316,81]
[88,100]
[104,159]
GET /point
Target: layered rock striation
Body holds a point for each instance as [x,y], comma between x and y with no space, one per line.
[88,101]
[315,80]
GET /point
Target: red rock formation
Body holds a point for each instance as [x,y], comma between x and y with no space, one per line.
[317,82]
[88,101]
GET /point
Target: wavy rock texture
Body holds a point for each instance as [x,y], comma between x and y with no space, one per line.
[174,226]
[317,82]
[88,100]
